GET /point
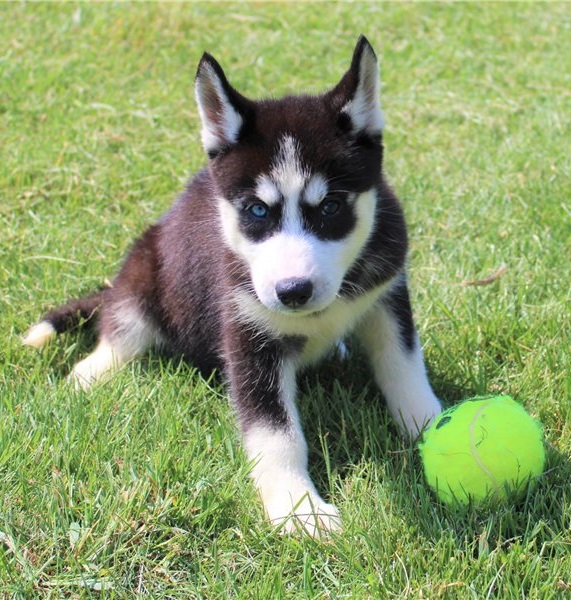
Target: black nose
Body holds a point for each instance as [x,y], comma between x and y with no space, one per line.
[294,292]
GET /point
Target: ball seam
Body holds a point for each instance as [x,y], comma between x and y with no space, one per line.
[474,448]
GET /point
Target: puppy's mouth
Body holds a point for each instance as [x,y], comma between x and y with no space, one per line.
[301,311]
[312,308]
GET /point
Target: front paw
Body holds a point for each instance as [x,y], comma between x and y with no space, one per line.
[285,487]
[306,512]
[415,413]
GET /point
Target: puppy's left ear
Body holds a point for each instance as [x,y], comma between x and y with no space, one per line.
[222,109]
[357,95]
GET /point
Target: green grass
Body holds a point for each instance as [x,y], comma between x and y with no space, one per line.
[140,486]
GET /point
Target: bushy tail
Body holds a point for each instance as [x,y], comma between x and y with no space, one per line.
[76,313]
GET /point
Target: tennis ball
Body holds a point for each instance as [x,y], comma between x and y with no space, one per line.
[482,448]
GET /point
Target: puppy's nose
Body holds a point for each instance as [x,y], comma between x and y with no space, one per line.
[294,292]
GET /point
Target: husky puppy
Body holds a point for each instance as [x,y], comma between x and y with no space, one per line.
[288,241]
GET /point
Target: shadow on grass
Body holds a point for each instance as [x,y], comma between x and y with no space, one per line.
[340,401]
[346,422]
[341,405]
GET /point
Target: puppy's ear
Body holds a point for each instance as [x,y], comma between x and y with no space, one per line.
[222,109]
[356,96]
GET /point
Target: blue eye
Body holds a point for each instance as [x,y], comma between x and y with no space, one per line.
[258,210]
[330,207]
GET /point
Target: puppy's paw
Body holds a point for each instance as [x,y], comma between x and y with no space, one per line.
[81,377]
[280,473]
[418,413]
[310,514]
[96,367]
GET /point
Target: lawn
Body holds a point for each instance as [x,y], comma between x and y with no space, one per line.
[140,486]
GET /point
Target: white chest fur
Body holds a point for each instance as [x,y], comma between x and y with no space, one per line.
[321,330]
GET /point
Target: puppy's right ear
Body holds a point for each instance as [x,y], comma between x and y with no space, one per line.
[357,94]
[222,109]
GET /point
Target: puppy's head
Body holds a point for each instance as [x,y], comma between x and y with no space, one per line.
[297,180]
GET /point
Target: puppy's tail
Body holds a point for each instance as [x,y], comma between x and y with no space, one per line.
[76,313]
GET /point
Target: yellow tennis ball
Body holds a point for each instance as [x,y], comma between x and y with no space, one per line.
[482,448]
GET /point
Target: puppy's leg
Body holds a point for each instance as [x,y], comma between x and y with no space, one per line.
[101,362]
[125,332]
[263,386]
[390,339]
[126,328]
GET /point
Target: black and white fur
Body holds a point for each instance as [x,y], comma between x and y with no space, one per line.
[289,241]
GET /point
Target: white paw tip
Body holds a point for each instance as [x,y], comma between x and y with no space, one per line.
[39,335]
[84,375]
[316,519]
[80,381]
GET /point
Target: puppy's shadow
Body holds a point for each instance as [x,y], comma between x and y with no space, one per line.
[344,416]
[346,423]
